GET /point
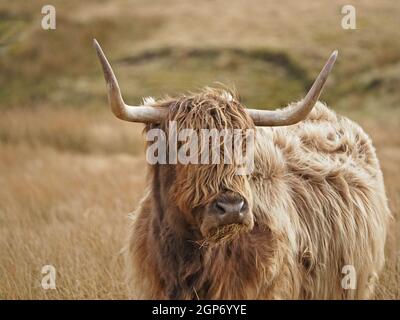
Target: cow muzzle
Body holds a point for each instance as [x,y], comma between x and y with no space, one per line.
[226,217]
[230,211]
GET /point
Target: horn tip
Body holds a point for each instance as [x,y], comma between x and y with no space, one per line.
[334,54]
[98,49]
[95,43]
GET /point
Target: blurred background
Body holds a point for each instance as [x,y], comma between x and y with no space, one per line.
[70,172]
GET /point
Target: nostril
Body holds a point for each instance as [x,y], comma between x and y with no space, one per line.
[220,207]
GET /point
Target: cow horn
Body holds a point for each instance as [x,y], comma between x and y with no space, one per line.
[143,113]
[296,113]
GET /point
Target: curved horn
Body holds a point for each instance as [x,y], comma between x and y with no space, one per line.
[144,114]
[297,113]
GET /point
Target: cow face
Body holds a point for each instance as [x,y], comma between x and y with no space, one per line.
[211,189]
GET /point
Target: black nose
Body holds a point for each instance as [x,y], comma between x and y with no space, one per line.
[229,207]
[230,210]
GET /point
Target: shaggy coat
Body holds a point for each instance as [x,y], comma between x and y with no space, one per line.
[318,201]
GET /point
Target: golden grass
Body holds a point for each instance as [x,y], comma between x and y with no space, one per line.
[68,210]
[384,134]
[70,173]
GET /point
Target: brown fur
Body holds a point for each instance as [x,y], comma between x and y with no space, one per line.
[318,201]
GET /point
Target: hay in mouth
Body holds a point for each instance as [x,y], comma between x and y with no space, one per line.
[222,235]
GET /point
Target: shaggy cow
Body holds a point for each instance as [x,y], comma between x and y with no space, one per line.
[313,207]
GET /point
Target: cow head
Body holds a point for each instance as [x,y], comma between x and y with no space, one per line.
[211,191]
[212,197]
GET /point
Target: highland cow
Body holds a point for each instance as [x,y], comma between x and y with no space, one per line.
[314,204]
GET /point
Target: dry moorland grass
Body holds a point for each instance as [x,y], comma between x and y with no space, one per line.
[64,204]
[70,173]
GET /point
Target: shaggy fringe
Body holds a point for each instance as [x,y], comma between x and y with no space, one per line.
[212,108]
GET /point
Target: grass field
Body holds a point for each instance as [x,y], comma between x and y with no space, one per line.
[70,173]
